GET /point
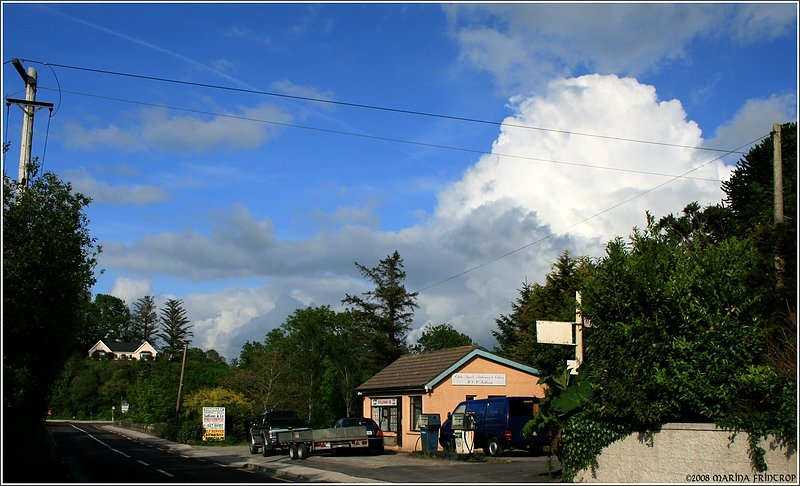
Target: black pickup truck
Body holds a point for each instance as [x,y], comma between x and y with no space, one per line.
[264,429]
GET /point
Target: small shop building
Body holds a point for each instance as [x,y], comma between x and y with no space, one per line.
[434,383]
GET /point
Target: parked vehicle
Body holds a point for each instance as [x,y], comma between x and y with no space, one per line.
[302,442]
[263,433]
[374,432]
[498,424]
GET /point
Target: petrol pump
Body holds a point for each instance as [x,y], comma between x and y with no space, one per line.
[464,432]
[429,424]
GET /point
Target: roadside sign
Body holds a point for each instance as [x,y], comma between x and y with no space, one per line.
[554,332]
[213,423]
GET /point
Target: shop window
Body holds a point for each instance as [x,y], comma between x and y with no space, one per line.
[386,413]
[416,410]
[470,397]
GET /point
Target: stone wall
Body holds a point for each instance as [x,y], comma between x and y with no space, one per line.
[690,453]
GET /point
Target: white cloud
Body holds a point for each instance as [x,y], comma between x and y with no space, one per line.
[498,226]
[102,192]
[158,129]
[524,45]
[563,195]
[130,290]
[757,21]
[754,120]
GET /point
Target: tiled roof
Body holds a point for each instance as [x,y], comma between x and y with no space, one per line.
[414,371]
[123,347]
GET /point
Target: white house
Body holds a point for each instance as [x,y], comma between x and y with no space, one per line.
[140,350]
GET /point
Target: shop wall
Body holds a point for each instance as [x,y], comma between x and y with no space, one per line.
[446,395]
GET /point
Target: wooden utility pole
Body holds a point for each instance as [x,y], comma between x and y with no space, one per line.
[777,168]
[778,172]
[578,332]
[180,386]
[29,106]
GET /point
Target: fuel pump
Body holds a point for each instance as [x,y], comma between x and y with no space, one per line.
[429,424]
[464,432]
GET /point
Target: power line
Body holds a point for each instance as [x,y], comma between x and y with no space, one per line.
[599,213]
[385,139]
[375,107]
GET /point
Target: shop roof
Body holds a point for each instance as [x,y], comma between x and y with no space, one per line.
[423,371]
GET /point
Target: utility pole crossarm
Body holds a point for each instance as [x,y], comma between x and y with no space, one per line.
[39,104]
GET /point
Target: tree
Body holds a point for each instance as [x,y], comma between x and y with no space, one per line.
[175,329]
[108,318]
[345,367]
[49,258]
[261,372]
[144,319]
[238,409]
[442,336]
[386,312]
[750,195]
[307,334]
[553,301]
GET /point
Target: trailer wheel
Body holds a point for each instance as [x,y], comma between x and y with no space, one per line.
[302,451]
[253,446]
[293,452]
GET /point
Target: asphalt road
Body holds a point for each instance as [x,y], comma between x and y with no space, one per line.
[105,453]
[93,454]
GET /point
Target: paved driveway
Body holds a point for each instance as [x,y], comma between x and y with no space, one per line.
[392,467]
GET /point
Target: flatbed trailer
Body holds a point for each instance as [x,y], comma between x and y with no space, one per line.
[302,442]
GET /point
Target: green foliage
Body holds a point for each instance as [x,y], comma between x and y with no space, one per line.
[693,320]
[108,318]
[175,329]
[584,436]
[144,319]
[48,268]
[554,301]
[261,374]
[153,396]
[238,410]
[442,336]
[385,313]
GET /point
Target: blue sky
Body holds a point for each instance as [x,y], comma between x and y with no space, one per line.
[221,176]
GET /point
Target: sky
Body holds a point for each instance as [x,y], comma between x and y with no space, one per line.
[243,157]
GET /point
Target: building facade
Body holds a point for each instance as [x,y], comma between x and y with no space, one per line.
[140,350]
[434,383]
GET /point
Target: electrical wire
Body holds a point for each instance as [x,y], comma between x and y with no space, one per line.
[384,139]
[370,107]
[460,274]
[46,138]
[426,114]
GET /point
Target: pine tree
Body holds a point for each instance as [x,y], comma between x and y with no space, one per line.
[386,312]
[144,319]
[175,327]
